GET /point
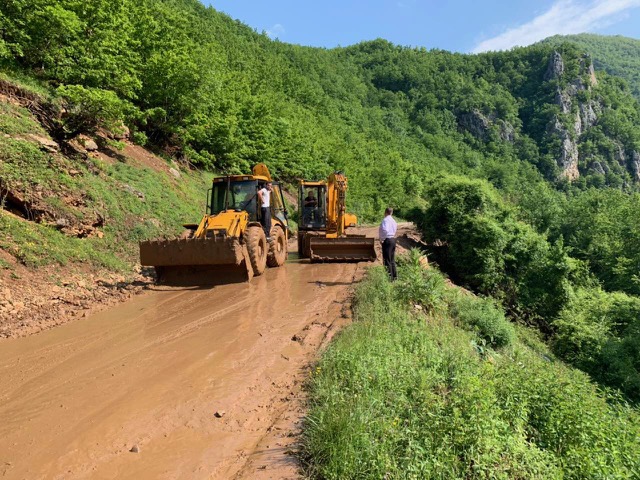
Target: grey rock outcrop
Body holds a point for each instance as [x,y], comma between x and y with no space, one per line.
[479,125]
[555,69]
[586,68]
[588,115]
[578,116]
[476,123]
[635,165]
[563,99]
[599,168]
[507,131]
[568,160]
[619,155]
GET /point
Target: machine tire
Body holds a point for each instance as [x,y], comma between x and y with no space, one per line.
[277,248]
[300,245]
[257,248]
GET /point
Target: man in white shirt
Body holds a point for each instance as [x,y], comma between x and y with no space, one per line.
[264,197]
[387,234]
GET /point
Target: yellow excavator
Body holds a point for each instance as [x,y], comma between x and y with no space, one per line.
[324,221]
[229,244]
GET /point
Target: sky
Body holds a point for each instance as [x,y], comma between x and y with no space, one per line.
[462,26]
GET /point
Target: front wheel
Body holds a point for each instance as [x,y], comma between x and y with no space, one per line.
[277,248]
[257,247]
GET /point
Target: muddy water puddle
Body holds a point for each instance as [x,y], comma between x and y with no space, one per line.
[150,375]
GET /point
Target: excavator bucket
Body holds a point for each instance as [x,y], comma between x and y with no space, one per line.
[195,261]
[352,248]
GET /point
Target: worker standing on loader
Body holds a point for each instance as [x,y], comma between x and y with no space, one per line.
[387,233]
[264,197]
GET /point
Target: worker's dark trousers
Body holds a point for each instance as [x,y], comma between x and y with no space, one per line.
[389,256]
[265,220]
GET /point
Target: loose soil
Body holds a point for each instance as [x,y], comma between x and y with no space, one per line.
[175,382]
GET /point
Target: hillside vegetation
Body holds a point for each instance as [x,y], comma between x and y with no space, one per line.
[431,382]
[191,80]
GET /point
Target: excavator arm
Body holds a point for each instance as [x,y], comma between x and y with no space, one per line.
[336,245]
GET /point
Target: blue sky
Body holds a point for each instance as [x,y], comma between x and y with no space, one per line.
[463,26]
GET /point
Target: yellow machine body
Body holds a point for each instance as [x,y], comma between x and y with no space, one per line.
[216,250]
[322,233]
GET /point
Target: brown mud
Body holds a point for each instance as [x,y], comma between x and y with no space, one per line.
[175,383]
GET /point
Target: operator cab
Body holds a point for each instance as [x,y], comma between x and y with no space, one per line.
[233,193]
[312,200]
[240,193]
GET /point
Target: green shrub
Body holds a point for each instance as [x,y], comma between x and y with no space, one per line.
[87,109]
[598,332]
[486,249]
[417,285]
[484,317]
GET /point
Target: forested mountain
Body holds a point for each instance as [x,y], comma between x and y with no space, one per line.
[191,79]
[524,164]
[619,56]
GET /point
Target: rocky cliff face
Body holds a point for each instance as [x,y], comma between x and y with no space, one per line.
[480,125]
[579,115]
[635,165]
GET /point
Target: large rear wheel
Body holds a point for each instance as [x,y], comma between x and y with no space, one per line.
[277,248]
[257,248]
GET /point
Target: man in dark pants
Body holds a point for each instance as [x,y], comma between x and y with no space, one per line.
[387,233]
[264,197]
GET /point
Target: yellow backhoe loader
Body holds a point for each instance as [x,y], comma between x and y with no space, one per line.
[323,224]
[229,244]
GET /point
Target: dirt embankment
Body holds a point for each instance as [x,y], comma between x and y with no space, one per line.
[176,382]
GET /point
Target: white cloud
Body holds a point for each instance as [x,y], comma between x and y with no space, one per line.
[275,31]
[564,17]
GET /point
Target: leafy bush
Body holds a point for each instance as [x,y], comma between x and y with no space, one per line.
[598,332]
[87,109]
[483,316]
[417,285]
[486,249]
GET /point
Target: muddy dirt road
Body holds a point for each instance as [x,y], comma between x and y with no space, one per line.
[151,374]
[133,392]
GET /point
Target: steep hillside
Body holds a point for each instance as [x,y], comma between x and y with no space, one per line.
[72,214]
[618,56]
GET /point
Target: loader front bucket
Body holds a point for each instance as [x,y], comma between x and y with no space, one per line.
[352,248]
[195,261]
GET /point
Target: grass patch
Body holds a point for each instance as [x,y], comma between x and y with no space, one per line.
[25,81]
[15,120]
[36,245]
[404,394]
